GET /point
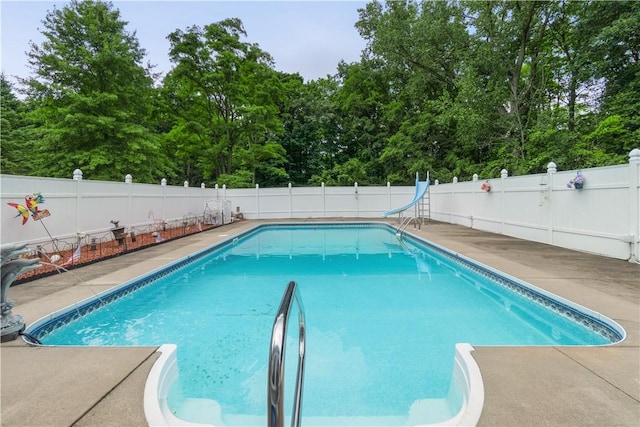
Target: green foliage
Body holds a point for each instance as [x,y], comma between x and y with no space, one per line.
[266,163]
[450,87]
[348,173]
[90,97]
[17,146]
[242,178]
[600,146]
[307,121]
[224,96]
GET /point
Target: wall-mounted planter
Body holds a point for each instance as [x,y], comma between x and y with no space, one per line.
[577,182]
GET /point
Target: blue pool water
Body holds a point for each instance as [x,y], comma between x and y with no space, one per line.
[382,321]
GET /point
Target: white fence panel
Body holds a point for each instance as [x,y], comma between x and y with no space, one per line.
[110,199]
[602,218]
[147,204]
[60,201]
[274,203]
[523,216]
[307,202]
[341,202]
[595,218]
[371,200]
[243,200]
[85,206]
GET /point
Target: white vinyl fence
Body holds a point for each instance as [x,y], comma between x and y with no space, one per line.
[602,218]
[84,207]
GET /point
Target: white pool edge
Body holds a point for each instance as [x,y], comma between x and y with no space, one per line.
[164,373]
[467,375]
[156,389]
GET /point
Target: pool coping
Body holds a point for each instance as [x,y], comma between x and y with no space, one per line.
[610,371]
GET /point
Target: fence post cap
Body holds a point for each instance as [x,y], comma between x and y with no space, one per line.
[77,175]
[634,155]
[504,173]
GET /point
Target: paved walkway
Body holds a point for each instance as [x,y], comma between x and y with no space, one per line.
[524,386]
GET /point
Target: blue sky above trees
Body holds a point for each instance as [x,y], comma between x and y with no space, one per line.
[307,37]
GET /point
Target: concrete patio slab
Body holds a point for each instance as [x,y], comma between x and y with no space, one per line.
[124,405]
[612,364]
[524,386]
[543,386]
[57,386]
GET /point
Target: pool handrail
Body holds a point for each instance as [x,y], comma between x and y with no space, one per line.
[402,228]
[275,376]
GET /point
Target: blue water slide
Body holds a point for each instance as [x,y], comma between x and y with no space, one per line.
[421,189]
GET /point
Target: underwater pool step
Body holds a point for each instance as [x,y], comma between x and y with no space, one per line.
[208,412]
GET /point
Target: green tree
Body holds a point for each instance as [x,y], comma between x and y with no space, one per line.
[420,46]
[91,95]
[614,50]
[359,104]
[223,93]
[17,147]
[510,46]
[451,87]
[308,120]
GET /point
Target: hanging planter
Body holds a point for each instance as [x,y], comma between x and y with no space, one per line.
[485,186]
[577,182]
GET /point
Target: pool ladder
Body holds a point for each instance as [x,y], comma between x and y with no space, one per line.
[275,377]
[402,228]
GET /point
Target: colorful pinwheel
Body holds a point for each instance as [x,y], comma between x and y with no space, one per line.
[31,201]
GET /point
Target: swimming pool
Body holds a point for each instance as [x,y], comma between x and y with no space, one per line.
[346,274]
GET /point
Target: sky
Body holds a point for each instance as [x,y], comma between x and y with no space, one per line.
[306,37]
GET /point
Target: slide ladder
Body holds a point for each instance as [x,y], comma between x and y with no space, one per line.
[426,203]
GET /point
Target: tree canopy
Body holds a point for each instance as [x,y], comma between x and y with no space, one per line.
[450,87]
[89,97]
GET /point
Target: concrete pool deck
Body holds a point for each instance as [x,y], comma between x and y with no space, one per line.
[524,386]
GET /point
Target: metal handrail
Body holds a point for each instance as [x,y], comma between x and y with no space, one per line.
[275,378]
[403,226]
